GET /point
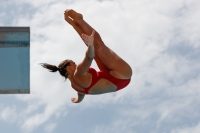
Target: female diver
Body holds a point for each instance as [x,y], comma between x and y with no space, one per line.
[114,73]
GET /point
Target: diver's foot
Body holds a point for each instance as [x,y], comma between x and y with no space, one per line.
[68,19]
[74,15]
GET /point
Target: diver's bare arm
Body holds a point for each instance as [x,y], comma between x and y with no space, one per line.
[79,99]
[87,61]
[89,56]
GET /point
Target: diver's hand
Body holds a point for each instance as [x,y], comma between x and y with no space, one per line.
[88,39]
[79,99]
[74,100]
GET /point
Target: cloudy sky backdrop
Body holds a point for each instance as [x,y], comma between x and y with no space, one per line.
[159,39]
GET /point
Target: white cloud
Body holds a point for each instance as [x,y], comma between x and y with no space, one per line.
[49,128]
[8,114]
[193,129]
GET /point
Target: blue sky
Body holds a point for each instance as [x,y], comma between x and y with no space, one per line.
[159,39]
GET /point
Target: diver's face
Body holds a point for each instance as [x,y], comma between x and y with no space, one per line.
[72,63]
[72,66]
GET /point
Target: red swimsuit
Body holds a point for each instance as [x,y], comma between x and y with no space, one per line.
[96,76]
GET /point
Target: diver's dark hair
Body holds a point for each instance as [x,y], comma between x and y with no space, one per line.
[61,68]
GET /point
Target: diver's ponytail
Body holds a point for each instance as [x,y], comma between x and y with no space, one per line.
[52,68]
[61,68]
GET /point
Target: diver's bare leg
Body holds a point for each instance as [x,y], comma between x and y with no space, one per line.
[80,32]
[111,60]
